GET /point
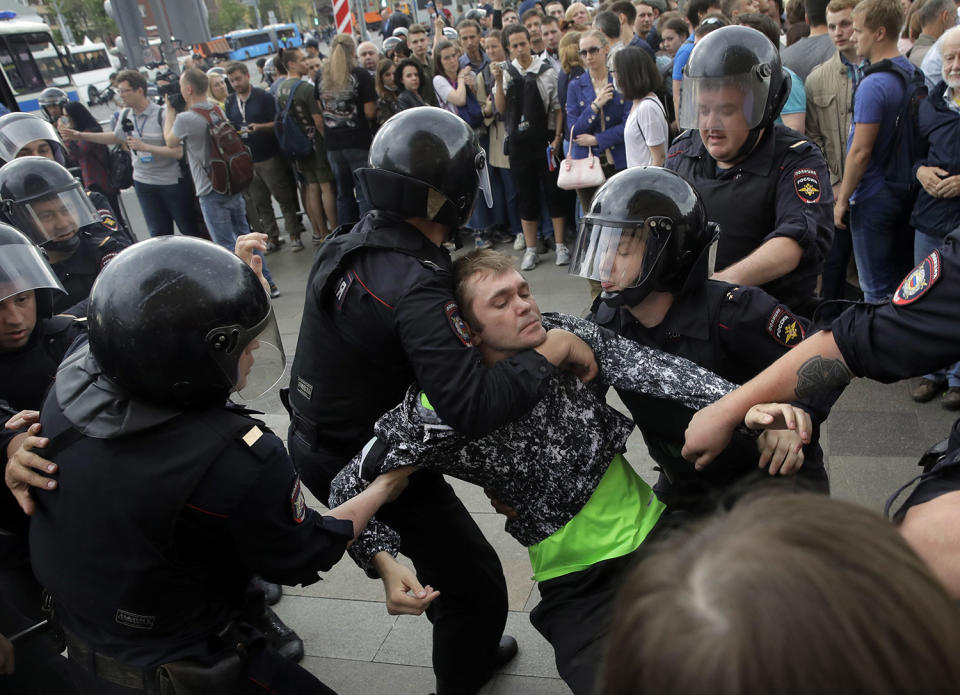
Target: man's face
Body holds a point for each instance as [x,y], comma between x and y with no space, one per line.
[58,221]
[533,26]
[951,61]
[18,317]
[37,148]
[245,364]
[54,111]
[367,53]
[240,81]
[129,96]
[722,124]
[510,17]
[771,9]
[551,35]
[470,40]
[298,66]
[418,45]
[840,28]
[506,318]
[313,52]
[864,38]
[624,263]
[644,22]
[313,64]
[519,46]
[555,9]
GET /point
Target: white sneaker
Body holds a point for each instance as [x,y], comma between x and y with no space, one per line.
[519,244]
[530,260]
[563,255]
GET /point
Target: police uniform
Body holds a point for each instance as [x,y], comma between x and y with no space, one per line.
[736,332]
[781,189]
[159,574]
[380,314]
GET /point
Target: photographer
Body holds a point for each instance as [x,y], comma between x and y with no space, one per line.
[165,194]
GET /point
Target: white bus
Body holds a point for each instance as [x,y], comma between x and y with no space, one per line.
[92,63]
[31,62]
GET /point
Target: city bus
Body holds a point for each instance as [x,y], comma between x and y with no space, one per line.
[92,63]
[31,62]
[250,43]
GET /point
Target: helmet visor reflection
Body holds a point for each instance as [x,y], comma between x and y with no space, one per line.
[251,358]
[54,217]
[14,136]
[723,103]
[23,268]
[619,255]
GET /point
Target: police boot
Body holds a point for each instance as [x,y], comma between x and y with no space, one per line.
[280,636]
[272,593]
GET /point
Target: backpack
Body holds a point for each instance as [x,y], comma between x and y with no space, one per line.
[906,145]
[295,142]
[526,119]
[120,167]
[231,165]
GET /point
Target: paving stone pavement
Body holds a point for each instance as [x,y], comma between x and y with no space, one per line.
[872,440]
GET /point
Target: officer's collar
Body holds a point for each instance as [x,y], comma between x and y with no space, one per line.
[406,237]
[689,316]
[759,161]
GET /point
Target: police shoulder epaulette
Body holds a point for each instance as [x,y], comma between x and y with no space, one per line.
[105,240]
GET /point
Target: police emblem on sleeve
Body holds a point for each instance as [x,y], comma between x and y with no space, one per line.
[806,182]
[784,327]
[920,280]
[298,504]
[108,220]
[457,324]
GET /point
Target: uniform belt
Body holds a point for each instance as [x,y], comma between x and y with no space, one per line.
[109,669]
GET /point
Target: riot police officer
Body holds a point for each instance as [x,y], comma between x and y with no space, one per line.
[765,185]
[150,588]
[43,200]
[647,240]
[380,313]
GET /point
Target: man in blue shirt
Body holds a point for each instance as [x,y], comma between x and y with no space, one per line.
[879,220]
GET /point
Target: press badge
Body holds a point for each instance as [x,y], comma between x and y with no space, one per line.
[146,158]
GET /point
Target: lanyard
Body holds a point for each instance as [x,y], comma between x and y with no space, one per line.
[136,124]
[242,105]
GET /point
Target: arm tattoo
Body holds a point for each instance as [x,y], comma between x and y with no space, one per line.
[819,374]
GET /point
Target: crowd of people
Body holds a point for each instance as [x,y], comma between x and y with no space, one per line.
[719,174]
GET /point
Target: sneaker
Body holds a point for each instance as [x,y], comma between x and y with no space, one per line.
[480,241]
[563,255]
[274,290]
[317,239]
[519,244]
[530,259]
[951,398]
[296,245]
[502,236]
[271,248]
[927,390]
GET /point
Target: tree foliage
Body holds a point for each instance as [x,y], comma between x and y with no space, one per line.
[85,18]
[230,15]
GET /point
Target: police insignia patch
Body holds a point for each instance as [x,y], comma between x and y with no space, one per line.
[108,220]
[298,505]
[784,327]
[806,183]
[457,324]
[920,280]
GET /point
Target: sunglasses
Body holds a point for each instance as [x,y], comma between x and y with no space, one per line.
[592,51]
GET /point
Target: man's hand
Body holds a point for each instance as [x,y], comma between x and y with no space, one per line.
[439,24]
[135,143]
[245,248]
[708,434]
[780,416]
[24,418]
[22,463]
[565,350]
[949,187]
[68,133]
[840,208]
[394,482]
[6,656]
[500,507]
[782,450]
[930,178]
[404,594]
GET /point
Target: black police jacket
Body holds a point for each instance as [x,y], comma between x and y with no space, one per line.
[380,314]
[161,517]
[782,189]
[735,332]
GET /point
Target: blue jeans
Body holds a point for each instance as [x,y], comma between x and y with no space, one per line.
[226,218]
[506,211]
[163,205]
[923,244]
[882,244]
[350,203]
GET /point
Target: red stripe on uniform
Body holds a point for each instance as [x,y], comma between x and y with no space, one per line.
[369,292]
[206,511]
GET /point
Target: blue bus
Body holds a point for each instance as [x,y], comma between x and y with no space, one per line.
[250,43]
[31,62]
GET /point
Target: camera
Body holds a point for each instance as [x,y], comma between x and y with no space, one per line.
[170,92]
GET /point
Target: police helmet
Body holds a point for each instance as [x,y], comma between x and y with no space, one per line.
[45,202]
[23,267]
[170,320]
[17,130]
[400,32]
[390,44]
[52,96]
[270,68]
[740,57]
[646,230]
[426,162]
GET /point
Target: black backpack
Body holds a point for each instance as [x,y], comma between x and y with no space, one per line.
[526,119]
[906,145]
[295,141]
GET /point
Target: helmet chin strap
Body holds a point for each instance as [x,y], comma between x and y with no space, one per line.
[628,297]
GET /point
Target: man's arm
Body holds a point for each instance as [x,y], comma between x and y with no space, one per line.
[864,137]
[169,118]
[98,138]
[773,259]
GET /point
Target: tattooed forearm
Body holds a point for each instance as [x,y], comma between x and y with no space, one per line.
[819,375]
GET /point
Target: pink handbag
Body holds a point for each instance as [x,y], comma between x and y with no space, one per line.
[580,173]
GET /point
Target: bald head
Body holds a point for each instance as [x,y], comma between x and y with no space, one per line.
[368,55]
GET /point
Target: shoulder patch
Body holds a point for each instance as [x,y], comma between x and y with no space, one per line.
[806,183]
[108,220]
[733,294]
[920,280]
[457,324]
[298,504]
[797,144]
[252,436]
[785,328]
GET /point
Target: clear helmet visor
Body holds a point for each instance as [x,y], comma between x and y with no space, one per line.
[251,358]
[24,268]
[731,103]
[619,255]
[54,218]
[483,172]
[17,134]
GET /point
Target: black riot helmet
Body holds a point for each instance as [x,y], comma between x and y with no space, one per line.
[17,130]
[742,58]
[23,267]
[646,230]
[45,202]
[170,319]
[52,96]
[426,162]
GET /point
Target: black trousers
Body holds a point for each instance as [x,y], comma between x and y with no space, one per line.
[450,553]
